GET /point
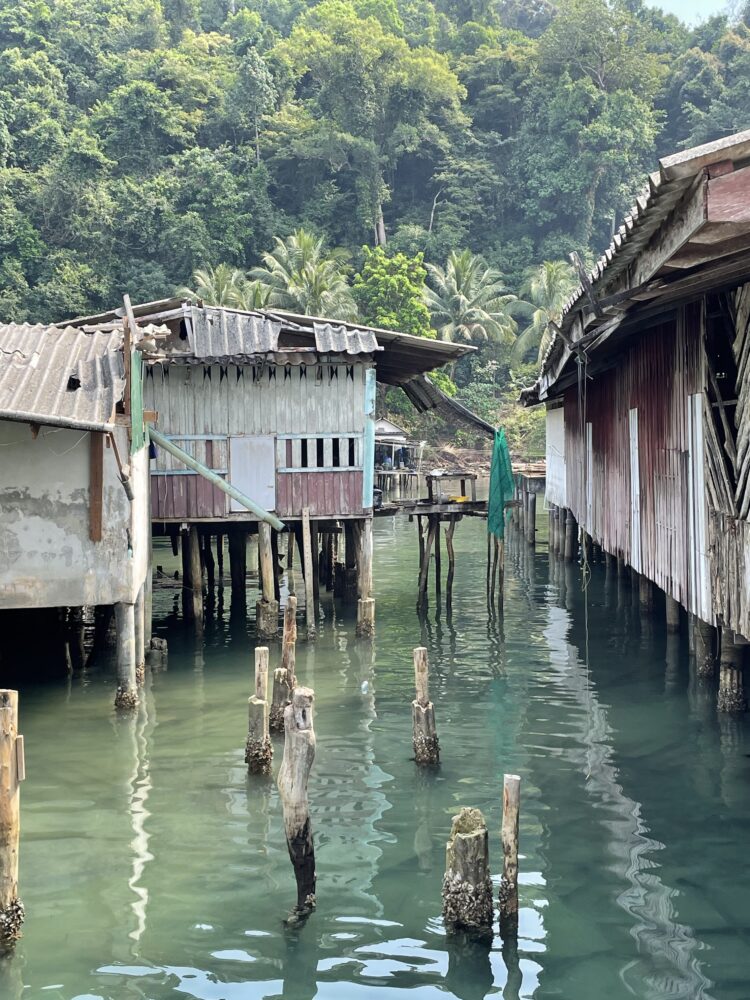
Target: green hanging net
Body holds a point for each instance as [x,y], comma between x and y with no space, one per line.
[501,485]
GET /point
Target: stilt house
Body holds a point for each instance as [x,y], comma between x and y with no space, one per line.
[277,405]
[74,519]
[647,390]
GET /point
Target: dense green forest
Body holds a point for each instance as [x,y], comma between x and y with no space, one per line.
[142,141]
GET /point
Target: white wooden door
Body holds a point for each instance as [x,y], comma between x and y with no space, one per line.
[589,479]
[252,469]
[635,493]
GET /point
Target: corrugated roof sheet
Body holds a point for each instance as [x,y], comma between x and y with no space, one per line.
[425,395]
[60,376]
[218,334]
[331,339]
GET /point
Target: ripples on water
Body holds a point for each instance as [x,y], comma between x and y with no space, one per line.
[153,867]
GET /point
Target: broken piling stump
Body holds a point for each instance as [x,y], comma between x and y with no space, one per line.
[467,887]
[283,677]
[299,753]
[424,733]
[12,772]
[258,748]
[508,896]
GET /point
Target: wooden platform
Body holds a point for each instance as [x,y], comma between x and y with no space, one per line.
[469,508]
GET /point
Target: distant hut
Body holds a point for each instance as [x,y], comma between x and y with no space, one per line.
[74,519]
[282,407]
[398,460]
[647,391]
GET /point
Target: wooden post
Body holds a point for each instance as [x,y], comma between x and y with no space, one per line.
[284,680]
[350,593]
[704,639]
[420,535]
[267,608]
[126,695]
[645,594]
[194,604]
[424,733]
[299,753]
[220,556]
[12,773]
[531,531]
[467,887]
[310,616]
[366,602]
[258,747]
[673,614]
[438,581]
[330,560]
[495,560]
[508,897]
[209,562]
[315,552]
[276,565]
[571,536]
[139,624]
[731,697]
[451,559]
[238,560]
[424,572]
[290,541]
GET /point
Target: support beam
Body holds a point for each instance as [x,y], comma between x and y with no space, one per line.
[731,697]
[267,608]
[508,896]
[140,637]
[673,614]
[238,560]
[705,644]
[12,772]
[258,746]
[531,527]
[310,611]
[195,581]
[126,696]
[571,537]
[424,733]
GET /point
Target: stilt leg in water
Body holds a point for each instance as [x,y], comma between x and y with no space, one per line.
[126,696]
[731,688]
[424,733]
[451,559]
[310,616]
[258,748]
[12,772]
[467,887]
[284,680]
[509,884]
[299,753]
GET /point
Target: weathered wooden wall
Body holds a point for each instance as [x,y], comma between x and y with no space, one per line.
[556,478]
[605,442]
[316,413]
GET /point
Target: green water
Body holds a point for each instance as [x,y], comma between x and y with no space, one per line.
[153,867]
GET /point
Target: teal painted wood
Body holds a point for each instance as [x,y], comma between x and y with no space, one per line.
[368,459]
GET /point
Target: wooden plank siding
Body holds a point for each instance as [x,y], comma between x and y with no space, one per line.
[314,412]
[655,376]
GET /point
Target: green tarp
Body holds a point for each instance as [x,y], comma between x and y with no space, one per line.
[501,485]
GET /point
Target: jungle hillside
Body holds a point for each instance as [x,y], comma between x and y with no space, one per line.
[424,165]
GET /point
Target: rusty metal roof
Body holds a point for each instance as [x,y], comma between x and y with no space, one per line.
[60,375]
[331,339]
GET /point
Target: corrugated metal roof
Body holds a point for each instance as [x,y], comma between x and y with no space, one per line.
[331,339]
[60,376]
[218,334]
[425,395]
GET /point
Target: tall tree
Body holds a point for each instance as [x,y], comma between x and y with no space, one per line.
[222,285]
[390,292]
[546,289]
[468,300]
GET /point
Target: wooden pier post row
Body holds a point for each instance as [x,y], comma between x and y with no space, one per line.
[467,887]
[310,616]
[267,608]
[258,747]
[424,733]
[284,680]
[508,896]
[12,773]
[299,753]
[126,696]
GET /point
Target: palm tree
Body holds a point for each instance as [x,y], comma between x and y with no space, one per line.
[222,285]
[301,277]
[546,289]
[469,301]
[255,296]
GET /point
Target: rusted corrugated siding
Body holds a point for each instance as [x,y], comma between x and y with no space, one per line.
[655,376]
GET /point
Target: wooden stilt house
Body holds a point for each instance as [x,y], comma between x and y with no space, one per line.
[281,407]
[647,390]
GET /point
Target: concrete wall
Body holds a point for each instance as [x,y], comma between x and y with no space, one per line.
[46,556]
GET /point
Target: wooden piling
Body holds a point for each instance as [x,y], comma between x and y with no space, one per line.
[238,559]
[126,696]
[220,557]
[284,680]
[673,614]
[571,536]
[531,528]
[12,772]
[315,552]
[424,571]
[195,581]
[451,527]
[330,560]
[310,616]
[731,696]
[704,641]
[258,747]
[645,594]
[424,733]
[139,625]
[267,608]
[366,602]
[467,886]
[438,580]
[299,753]
[209,562]
[508,897]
